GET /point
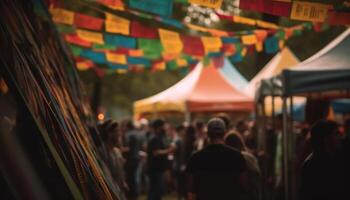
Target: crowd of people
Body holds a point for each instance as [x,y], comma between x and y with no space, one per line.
[220,160]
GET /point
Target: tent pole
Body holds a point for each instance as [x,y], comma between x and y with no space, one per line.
[262,143]
[291,153]
[187,113]
[273,106]
[285,150]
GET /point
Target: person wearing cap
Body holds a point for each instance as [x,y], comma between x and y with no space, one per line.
[217,171]
[157,153]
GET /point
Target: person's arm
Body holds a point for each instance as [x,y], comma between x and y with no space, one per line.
[162,152]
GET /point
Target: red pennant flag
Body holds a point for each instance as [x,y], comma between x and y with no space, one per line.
[74,39]
[121,50]
[192,45]
[338,18]
[218,61]
[228,49]
[88,22]
[141,31]
[267,6]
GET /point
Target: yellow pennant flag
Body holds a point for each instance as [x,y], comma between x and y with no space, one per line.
[170,56]
[211,44]
[171,41]
[90,36]
[268,25]
[208,3]
[116,58]
[244,51]
[244,20]
[308,11]
[260,35]
[82,66]
[160,65]
[136,52]
[116,24]
[259,46]
[281,44]
[181,62]
[249,39]
[121,71]
[62,16]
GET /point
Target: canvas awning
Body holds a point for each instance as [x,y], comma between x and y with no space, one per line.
[327,73]
[205,89]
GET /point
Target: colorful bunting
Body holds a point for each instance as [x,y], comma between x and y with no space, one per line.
[211,44]
[90,36]
[244,20]
[97,57]
[142,31]
[122,41]
[308,11]
[208,3]
[116,24]
[151,48]
[249,39]
[74,39]
[271,45]
[62,16]
[194,45]
[135,52]
[339,18]
[171,41]
[163,8]
[88,22]
[164,49]
[114,4]
[116,58]
[138,61]
[267,6]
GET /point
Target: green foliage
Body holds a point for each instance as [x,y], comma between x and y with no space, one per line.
[121,90]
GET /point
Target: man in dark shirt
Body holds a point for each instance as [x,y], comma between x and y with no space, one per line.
[217,171]
[324,171]
[157,160]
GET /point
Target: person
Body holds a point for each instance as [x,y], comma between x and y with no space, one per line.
[242,128]
[179,162]
[226,118]
[217,171]
[113,157]
[133,142]
[253,189]
[157,160]
[323,173]
[201,136]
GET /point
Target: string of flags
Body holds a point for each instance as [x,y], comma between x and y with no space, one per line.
[122,44]
[119,44]
[296,10]
[302,10]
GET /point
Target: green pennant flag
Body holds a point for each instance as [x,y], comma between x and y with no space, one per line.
[65,29]
[152,49]
[297,32]
[75,50]
[104,46]
[280,34]
[206,61]
[238,47]
[308,26]
[171,65]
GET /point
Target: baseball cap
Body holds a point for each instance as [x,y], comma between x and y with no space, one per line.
[216,125]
